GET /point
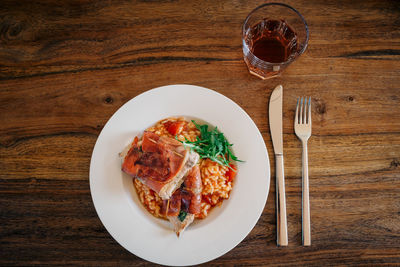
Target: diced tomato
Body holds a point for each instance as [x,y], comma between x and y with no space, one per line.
[175,128]
[207,199]
[231,173]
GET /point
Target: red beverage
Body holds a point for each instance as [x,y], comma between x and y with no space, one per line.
[272,41]
[270,45]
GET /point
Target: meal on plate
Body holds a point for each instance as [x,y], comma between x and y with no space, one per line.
[180,170]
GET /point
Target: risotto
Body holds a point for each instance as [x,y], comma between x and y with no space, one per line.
[217,179]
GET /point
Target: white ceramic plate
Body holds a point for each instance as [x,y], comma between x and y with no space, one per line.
[153,239]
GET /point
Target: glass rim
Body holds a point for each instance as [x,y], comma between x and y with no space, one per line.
[289,60]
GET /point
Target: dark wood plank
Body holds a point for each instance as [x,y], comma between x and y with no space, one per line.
[66,67]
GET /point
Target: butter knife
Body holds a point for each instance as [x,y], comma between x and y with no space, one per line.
[275,126]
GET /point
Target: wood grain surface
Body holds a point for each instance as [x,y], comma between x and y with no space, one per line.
[67,66]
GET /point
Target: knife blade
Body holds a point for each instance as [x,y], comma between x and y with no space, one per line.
[275,126]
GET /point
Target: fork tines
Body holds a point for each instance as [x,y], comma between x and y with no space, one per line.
[304,116]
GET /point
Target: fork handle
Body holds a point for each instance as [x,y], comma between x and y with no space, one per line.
[306,223]
[281,231]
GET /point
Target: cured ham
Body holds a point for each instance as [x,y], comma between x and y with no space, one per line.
[159,162]
[191,191]
[185,203]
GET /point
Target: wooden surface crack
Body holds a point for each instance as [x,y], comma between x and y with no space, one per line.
[137,62]
[381,54]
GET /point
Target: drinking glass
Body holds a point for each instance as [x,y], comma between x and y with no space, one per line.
[273,36]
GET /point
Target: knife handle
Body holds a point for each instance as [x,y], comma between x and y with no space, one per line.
[282,234]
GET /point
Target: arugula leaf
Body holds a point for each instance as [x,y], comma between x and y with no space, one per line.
[211,144]
[182,215]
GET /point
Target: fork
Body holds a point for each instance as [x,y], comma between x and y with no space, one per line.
[302,128]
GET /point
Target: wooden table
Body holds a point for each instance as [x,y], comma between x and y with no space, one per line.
[67,66]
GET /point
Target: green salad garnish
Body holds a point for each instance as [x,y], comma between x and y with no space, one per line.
[211,144]
[182,215]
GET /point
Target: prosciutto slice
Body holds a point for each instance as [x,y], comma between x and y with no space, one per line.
[185,203]
[159,162]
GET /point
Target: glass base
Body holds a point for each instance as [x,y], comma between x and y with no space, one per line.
[264,77]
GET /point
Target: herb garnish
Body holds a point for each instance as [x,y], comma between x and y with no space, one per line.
[211,144]
[182,215]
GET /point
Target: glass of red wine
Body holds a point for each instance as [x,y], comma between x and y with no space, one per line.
[273,35]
